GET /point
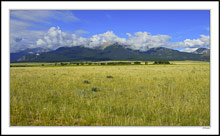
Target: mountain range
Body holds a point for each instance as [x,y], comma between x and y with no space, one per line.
[203,51]
[111,52]
[17,55]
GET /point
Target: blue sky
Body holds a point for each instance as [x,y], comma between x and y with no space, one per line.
[176,26]
[187,24]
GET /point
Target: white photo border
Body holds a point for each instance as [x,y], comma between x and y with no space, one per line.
[214,62]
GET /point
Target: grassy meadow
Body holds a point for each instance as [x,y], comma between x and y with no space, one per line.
[133,95]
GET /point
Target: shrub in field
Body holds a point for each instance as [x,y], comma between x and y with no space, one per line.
[109,76]
[94,89]
[42,65]
[137,63]
[146,63]
[161,62]
[166,62]
[128,63]
[86,82]
[73,63]
[124,63]
[63,64]
[102,63]
[156,62]
[18,65]
[110,63]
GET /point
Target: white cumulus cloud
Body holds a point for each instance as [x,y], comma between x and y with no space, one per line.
[144,40]
[204,41]
[55,38]
[22,20]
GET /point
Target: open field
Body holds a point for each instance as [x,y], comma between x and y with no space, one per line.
[133,95]
[52,64]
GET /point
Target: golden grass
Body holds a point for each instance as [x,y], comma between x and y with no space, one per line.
[144,95]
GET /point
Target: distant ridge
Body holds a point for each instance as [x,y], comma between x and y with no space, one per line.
[111,52]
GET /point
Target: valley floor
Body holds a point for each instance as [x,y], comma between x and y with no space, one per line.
[135,95]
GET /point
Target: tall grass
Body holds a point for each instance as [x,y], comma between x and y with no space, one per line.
[145,95]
